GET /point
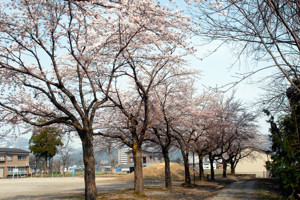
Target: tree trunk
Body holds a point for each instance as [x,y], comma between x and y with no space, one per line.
[224,169]
[187,177]
[51,165]
[201,170]
[46,167]
[232,170]
[112,162]
[89,164]
[168,179]
[64,166]
[212,171]
[138,168]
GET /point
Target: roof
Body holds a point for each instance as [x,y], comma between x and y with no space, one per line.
[146,151]
[13,151]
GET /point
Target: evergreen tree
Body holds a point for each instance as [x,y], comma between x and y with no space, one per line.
[286,147]
[44,142]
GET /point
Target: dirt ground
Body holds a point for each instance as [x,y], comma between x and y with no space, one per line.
[121,187]
[202,190]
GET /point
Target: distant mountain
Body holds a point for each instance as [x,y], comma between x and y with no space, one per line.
[14,142]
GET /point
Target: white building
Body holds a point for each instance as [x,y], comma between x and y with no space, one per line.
[206,163]
[122,156]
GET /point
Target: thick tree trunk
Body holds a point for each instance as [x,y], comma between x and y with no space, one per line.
[224,169]
[212,171]
[187,176]
[201,170]
[138,169]
[232,170]
[168,179]
[89,164]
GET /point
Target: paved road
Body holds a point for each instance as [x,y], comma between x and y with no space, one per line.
[245,190]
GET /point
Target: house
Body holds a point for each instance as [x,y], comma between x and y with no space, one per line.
[13,162]
[194,160]
[254,163]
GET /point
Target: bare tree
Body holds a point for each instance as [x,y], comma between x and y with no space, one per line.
[266,29]
[65,156]
[107,145]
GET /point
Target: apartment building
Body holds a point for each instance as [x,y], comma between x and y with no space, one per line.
[13,162]
[122,156]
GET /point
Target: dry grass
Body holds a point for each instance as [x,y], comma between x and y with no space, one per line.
[204,191]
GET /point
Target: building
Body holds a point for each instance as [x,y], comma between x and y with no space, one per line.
[122,156]
[150,157]
[13,162]
[206,163]
[254,164]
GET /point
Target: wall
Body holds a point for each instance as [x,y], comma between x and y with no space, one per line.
[253,164]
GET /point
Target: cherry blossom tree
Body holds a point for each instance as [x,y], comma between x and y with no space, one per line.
[185,126]
[58,60]
[162,133]
[209,111]
[156,58]
[132,119]
[220,132]
[167,102]
[230,129]
[246,138]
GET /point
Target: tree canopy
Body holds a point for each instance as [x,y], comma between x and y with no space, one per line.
[44,142]
[285,138]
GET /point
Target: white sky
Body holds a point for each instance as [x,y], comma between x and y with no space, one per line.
[217,71]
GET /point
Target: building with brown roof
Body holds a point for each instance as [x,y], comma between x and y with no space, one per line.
[13,162]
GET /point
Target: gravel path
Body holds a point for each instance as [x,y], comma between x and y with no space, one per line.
[245,190]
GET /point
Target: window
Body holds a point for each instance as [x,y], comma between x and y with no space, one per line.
[2,159]
[10,169]
[22,169]
[144,160]
[9,158]
[21,157]
[131,159]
